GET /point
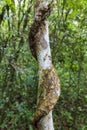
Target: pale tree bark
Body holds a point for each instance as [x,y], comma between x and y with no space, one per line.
[49,86]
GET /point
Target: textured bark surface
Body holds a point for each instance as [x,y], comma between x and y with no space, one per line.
[49,86]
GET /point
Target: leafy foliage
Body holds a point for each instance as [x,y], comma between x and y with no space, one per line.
[18,68]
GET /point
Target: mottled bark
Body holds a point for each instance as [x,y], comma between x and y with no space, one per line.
[49,86]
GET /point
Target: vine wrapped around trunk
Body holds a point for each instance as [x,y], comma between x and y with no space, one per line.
[49,86]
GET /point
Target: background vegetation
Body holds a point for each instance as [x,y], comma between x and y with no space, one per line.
[19,70]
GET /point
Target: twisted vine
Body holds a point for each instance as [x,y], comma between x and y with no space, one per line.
[49,85]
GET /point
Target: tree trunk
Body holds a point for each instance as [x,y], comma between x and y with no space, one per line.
[49,86]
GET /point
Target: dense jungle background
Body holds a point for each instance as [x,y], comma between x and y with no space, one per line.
[19,70]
